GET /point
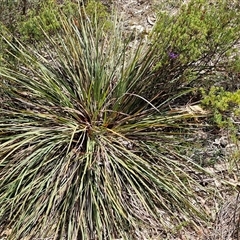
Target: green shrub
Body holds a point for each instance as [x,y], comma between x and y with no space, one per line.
[85,153]
[30,29]
[200,28]
[197,42]
[224,104]
[47,13]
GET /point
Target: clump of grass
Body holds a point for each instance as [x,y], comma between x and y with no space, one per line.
[86,146]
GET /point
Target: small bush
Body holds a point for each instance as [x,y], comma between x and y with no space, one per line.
[30,29]
[197,42]
[225,105]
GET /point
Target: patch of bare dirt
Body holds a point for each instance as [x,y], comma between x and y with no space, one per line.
[137,15]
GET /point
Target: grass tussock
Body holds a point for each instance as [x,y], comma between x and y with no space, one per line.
[87,149]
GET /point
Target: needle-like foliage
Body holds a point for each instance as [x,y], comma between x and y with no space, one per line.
[87,151]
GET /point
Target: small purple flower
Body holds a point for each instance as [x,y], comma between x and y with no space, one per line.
[173,55]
